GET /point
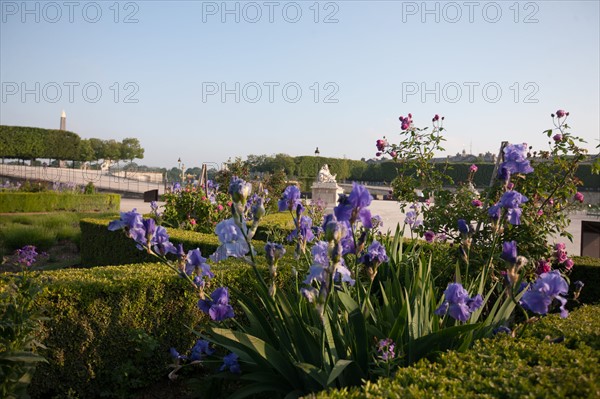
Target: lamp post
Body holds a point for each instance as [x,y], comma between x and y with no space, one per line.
[317,153]
[180,167]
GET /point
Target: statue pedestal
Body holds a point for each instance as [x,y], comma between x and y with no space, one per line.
[327,192]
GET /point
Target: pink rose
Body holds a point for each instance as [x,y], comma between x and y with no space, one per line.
[560,113]
[476,203]
[578,197]
[473,168]
[557,137]
[569,264]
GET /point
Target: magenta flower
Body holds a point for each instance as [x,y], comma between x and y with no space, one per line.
[569,264]
[477,203]
[578,197]
[429,236]
[381,144]
[405,122]
[543,266]
[557,137]
[473,168]
[561,113]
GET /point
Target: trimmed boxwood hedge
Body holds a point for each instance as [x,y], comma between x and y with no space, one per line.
[587,270]
[100,247]
[53,201]
[109,329]
[555,358]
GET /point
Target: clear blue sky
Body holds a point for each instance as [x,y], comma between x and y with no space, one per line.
[370,63]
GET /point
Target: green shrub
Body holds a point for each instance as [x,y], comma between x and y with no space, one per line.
[109,329]
[52,201]
[587,270]
[505,367]
[100,247]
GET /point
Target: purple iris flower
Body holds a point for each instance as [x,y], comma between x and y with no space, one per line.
[545,289]
[200,349]
[27,255]
[457,303]
[515,161]
[233,243]
[509,252]
[512,199]
[375,255]
[386,349]
[217,307]
[353,206]
[411,220]
[318,270]
[195,262]
[129,220]
[290,199]
[319,253]
[230,362]
[239,189]
[495,211]
[161,243]
[175,355]
[333,229]
[273,252]
[463,227]
[306,233]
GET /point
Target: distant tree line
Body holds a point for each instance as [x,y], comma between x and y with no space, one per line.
[381,171]
[31,143]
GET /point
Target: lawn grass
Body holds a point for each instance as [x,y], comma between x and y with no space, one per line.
[42,230]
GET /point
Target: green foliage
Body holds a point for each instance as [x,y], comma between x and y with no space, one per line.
[43,231]
[31,142]
[19,324]
[191,208]
[237,168]
[109,329]
[52,201]
[587,270]
[101,247]
[533,366]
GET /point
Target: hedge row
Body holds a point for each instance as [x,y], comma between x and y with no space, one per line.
[100,247]
[52,201]
[564,364]
[587,270]
[109,329]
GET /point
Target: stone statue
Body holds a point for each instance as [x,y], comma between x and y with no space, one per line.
[325,175]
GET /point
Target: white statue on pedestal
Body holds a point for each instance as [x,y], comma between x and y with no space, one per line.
[325,175]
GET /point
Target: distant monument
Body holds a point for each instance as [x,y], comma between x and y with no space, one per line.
[63,126]
[63,121]
[326,188]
